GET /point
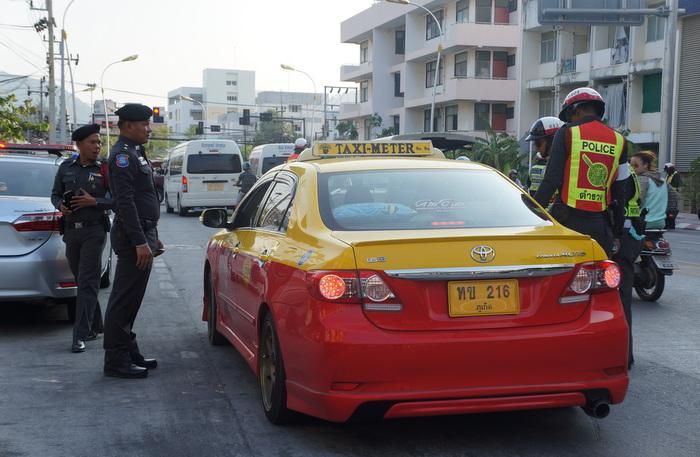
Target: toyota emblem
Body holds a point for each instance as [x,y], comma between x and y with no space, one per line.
[483,254]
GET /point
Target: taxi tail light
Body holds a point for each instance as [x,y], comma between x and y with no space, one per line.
[185,184]
[339,286]
[591,277]
[38,222]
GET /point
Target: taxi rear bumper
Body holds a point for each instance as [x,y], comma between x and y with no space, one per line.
[356,367]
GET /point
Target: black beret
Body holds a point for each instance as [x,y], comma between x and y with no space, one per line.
[85,131]
[134,112]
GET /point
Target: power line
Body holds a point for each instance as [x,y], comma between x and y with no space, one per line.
[21,56]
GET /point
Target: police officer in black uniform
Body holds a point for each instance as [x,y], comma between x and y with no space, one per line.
[80,192]
[134,240]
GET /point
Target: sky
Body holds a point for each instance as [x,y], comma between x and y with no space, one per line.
[177,39]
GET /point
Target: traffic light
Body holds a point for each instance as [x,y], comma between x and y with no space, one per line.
[215,128]
[200,128]
[158,117]
[245,119]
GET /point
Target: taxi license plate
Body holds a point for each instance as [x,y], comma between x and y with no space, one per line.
[215,186]
[483,298]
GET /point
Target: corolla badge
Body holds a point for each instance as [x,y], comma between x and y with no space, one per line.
[483,254]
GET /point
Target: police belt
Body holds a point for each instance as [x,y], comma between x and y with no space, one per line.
[84,224]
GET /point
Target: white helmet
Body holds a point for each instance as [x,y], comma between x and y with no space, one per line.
[580,96]
[300,143]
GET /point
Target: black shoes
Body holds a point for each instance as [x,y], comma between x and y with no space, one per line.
[78,346]
[129,371]
[92,336]
[150,364]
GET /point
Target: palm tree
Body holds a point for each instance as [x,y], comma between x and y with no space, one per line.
[499,150]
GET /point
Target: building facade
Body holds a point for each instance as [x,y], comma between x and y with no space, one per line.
[397,46]
[305,110]
[686,139]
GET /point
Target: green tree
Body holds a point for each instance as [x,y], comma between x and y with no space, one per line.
[692,186]
[499,150]
[389,131]
[346,130]
[191,132]
[375,121]
[157,147]
[15,121]
[274,131]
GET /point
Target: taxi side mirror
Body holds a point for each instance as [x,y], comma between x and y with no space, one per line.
[214,218]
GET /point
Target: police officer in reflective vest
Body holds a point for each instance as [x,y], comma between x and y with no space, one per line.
[584,166]
[80,192]
[630,246]
[134,240]
[541,133]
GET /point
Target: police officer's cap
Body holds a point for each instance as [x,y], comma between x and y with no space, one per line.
[134,112]
[85,131]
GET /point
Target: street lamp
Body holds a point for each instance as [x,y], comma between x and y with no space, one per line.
[439,51]
[204,110]
[313,105]
[102,88]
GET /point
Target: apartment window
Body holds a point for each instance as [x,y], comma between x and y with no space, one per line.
[397,85]
[546,105]
[548,47]
[364,51]
[461,60]
[295,108]
[400,42]
[431,28]
[462,11]
[231,83]
[482,113]
[436,122]
[483,11]
[451,118]
[364,91]
[232,98]
[483,64]
[368,129]
[196,115]
[430,73]
[581,42]
[500,64]
[173,100]
[651,93]
[501,12]
[510,112]
[396,123]
[170,115]
[656,26]
[511,60]
[498,116]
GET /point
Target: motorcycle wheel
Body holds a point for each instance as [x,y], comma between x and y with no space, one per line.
[654,292]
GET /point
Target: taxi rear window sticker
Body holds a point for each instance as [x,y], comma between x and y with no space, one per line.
[379,210]
[446,204]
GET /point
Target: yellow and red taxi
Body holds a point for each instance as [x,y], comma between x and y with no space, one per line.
[379,279]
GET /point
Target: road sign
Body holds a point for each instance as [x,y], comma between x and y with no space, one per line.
[594,12]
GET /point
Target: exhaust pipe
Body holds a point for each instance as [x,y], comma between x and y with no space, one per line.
[598,409]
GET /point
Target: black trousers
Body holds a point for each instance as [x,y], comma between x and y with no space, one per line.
[128,290]
[671,220]
[84,248]
[625,257]
[595,225]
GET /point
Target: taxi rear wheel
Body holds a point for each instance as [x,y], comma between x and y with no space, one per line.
[215,338]
[273,390]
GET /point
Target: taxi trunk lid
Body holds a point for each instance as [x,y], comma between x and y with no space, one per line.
[428,270]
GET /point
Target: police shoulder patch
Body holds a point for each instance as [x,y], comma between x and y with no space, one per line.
[122,160]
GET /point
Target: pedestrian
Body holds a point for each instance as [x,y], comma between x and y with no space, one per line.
[673,180]
[584,166]
[134,240]
[630,247]
[541,134]
[81,193]
[245,182]
[513,175]
[653,190]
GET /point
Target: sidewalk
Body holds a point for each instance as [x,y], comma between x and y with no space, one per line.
[687,221]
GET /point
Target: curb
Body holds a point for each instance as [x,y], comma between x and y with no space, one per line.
[687,226]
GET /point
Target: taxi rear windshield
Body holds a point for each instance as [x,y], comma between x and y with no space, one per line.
[423,199]
[198,164]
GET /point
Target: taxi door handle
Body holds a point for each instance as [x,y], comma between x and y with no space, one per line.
[236,249]
[264,256]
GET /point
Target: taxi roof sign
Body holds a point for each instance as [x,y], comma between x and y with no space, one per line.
[351,149]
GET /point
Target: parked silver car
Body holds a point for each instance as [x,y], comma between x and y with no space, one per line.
[33,265]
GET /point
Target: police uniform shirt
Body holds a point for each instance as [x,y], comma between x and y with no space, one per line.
[559,153]
[133,190]
[73,176]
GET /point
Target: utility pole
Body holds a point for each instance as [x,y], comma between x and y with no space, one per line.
[52,76]
[62,105]
[41,98]
[667,79]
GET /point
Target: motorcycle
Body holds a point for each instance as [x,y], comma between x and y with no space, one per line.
[653,265]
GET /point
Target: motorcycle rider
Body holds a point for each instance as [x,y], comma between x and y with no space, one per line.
[652,189]
[541,133]
[299,145]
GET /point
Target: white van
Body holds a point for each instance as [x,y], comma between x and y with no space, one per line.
[202,173]
[265,157]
